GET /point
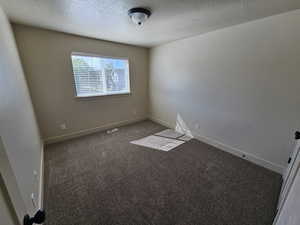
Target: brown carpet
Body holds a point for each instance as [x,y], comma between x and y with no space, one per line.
[102,179]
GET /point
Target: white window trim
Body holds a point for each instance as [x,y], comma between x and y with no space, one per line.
[100,95]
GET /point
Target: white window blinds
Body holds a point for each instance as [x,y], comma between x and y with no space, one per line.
[96,76]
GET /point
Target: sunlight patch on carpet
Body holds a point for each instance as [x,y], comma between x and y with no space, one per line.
[157,142]
[169,133]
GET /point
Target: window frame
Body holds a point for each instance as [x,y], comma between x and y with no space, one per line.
[100,56]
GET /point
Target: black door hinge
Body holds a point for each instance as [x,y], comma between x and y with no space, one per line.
[297,135]
[38,218]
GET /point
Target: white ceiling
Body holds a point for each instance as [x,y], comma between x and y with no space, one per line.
[171,19]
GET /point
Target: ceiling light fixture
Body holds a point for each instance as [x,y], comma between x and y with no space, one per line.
[139,15]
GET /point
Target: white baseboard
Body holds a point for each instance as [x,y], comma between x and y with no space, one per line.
[84,132]
[41,181]
[235,151]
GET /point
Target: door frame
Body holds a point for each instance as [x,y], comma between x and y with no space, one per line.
[10,183]
[289,175]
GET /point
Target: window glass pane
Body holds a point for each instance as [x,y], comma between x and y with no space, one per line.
[94,75]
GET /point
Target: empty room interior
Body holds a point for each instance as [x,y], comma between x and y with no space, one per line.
[169,112]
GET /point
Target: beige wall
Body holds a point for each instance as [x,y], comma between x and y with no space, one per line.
[237,87]
[20,143]
[46,59]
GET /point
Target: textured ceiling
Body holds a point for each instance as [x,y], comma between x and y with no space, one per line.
[171,19]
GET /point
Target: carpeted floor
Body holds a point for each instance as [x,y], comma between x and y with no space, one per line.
[102,179]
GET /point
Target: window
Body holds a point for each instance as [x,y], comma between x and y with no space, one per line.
[96,75]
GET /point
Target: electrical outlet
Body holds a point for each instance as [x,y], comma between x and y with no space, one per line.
[197,126]
[134,112]
[32,196]
[35,174]
[63,126]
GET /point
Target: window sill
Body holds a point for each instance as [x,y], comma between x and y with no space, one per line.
[106,95]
